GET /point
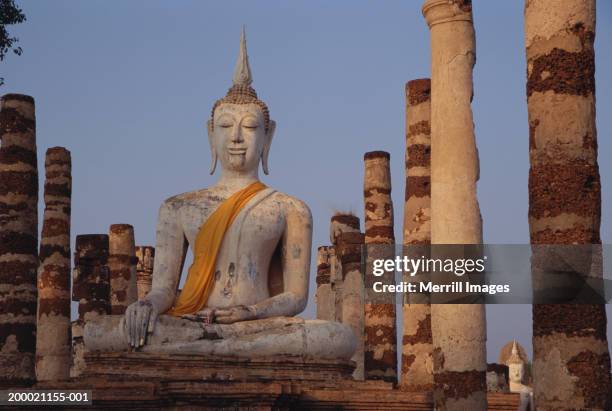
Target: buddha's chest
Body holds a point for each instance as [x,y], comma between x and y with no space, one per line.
[255,229]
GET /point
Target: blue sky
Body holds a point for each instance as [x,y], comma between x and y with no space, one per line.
[128,86]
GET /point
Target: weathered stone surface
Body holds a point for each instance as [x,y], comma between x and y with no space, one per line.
[380,350]
[325,296]
[53,345]
[458,331]
[347,242]
[246,339]
[417,348]
[144,269]
[122,267]
[91,288]
[565,197]
[190,367]
[343,223]
[497,378]
[18,238]
[114,393]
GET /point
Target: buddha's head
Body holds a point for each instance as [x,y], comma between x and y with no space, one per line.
[240,130]
[516,366]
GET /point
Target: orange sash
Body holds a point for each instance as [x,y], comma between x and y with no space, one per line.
[199,283]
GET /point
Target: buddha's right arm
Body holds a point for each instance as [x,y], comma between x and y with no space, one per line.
[141,316]
[170,251]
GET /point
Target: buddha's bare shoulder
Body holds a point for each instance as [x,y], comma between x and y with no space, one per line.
[199,198]
[291,205]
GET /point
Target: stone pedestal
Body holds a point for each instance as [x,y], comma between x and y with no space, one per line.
[458,331]
[53,327]
[260,395]
[148,366]
[18,237]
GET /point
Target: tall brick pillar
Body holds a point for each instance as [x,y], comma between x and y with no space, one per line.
[18,238]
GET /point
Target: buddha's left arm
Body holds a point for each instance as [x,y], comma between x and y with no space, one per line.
[296,245]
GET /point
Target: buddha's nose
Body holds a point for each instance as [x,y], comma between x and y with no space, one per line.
[237,137]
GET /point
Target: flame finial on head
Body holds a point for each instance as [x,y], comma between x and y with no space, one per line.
[515,356]
[242,72]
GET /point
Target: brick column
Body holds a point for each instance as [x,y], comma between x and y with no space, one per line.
[122,267]
[417,347]
[458,331]
[349,253]
[571,361]
[379,321]
[18,238]
[144,269]
[91,288]
[325,297]
[339,224]
[53,328]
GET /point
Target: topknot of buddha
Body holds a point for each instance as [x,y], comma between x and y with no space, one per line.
[241,91]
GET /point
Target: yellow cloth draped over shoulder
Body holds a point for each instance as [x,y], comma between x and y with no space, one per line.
[199,283]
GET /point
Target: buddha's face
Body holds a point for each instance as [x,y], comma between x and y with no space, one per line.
[239,137]
[516,372]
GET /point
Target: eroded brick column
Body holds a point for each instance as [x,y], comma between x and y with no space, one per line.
[144,269]
[90,287]
[18,238]
[122,267]
[417,347]
[571,364]
[347,239]
[325,298]
[53,328]
[458,331]
[340,223]
[349,252]
[380,351]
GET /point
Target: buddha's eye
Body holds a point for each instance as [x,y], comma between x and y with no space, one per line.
[225,125]
[250,125]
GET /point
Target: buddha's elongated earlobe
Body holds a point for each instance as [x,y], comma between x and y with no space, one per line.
[266,148]
[213,152]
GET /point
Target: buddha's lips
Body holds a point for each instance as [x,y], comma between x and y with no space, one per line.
[237,150]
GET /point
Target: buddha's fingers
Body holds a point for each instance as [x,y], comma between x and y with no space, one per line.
[141,326]
[225,316]
[132,326]
[152,322]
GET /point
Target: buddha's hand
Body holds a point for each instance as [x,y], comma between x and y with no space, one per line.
[235,314]
[140,319]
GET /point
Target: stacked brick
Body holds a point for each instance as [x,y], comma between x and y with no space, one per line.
[571,362]
[347,241]
[18,238]
[53,328]
[339,223]
[91,288]
[122,267]
[417,346]
[324,297]
[380,351]
[144,269]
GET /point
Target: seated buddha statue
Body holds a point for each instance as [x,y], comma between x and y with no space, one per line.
[251,246]
[516,367]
